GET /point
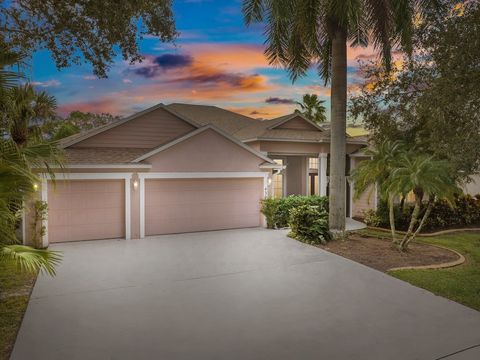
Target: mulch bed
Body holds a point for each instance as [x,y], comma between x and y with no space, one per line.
[380,254]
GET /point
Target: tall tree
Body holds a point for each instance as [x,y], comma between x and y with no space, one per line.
[302,32]
[77,121]
[24,110]
[84,30]
[432,99]
[312,108]
[17,180]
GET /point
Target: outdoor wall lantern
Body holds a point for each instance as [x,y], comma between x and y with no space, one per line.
[135,184]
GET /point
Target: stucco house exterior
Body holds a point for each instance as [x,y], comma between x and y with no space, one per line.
[182,168]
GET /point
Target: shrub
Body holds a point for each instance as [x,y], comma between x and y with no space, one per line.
[309,224]
[465,212]
[286,204]
[277,210]
[371,218]
[269,208]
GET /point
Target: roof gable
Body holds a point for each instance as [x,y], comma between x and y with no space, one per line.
[155,121]
[201,130]
[294,121]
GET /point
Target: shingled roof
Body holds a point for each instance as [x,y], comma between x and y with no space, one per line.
[228,121]
[239,126]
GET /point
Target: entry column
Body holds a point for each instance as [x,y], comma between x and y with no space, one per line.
[322,173]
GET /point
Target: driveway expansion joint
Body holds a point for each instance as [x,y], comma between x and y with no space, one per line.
[458,352]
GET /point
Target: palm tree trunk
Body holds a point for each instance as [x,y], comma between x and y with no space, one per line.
[391,216]
[338,130]
[422,222]
[416,211]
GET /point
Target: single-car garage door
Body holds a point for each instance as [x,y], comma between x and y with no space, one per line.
[187,205]
[86,210]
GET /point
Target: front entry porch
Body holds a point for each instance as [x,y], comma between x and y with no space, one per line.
[307,175]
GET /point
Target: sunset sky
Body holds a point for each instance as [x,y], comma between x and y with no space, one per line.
[216,61]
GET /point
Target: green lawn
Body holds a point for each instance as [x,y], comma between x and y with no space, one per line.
[460,283]
[14,294]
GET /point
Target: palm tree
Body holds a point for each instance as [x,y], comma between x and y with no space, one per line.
[377,171]
[24,107]
[16,162]
[17,184]
[424,175]
[312,108]
[8,59]
[302,32]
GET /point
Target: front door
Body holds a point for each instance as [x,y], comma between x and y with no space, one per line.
[313,184]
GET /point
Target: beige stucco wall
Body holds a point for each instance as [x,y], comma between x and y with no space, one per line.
[147,131]
[283,147]
[473,188]
[301,148]
[135,207]
[207,151]
[367,200]
[364,203]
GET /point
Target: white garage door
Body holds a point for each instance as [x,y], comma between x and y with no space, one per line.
[86,210]
[187,205]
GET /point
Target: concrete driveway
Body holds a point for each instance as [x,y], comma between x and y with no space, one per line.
[239,294]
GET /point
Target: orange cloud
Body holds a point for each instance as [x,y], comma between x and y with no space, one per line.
[263,111]
[234,57]
[105,105]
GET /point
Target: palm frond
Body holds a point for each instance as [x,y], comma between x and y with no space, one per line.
[8,77]
[379,14]
[253,11]
[31,260]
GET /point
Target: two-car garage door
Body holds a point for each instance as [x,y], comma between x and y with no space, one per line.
[187,205]
[95,209]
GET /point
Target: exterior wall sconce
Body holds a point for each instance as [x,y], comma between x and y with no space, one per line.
[135,184]
[35,186]
[269,181]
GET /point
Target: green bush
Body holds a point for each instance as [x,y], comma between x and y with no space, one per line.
[371,218]
[277,210]
[269,209]
[465,212]
[309,224]
[288,203]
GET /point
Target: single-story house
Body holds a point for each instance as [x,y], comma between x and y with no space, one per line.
[183,168]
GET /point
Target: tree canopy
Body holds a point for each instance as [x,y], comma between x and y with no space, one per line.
[431,100]
[84,30]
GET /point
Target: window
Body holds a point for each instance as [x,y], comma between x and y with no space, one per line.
[313,163]
[277,181]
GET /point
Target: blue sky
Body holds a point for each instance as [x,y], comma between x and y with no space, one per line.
[216,60]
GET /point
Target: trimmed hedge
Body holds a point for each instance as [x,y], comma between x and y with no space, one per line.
[277,210]
[464,213]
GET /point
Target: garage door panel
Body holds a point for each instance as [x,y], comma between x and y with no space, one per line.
[86,210]
[173,206]
[186,198]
